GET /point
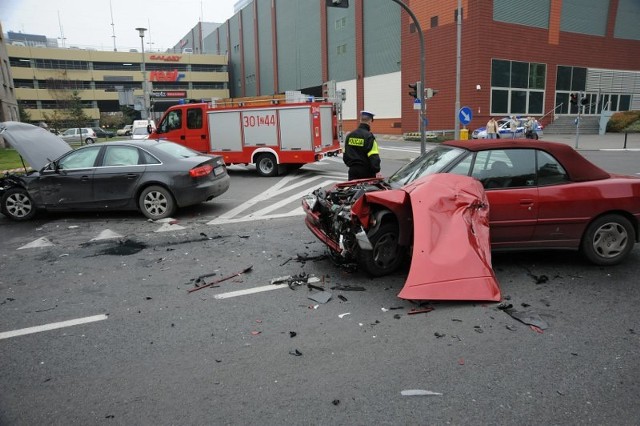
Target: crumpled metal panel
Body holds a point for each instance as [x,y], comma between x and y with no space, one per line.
[451,251]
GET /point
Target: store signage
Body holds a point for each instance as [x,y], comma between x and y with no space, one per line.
[169,94]
[166,58]
[166,75]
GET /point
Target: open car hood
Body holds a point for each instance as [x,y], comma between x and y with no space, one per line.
[451,249]
[36,145]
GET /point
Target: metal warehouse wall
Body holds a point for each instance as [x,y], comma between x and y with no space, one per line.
[265,48]
[299,53]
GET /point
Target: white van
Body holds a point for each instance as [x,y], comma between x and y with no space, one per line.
[139,128]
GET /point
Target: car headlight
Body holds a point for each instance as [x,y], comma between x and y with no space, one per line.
[310,201]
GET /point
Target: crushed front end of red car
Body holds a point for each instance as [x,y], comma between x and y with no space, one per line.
[440,220]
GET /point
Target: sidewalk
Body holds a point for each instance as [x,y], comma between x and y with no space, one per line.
[584,142]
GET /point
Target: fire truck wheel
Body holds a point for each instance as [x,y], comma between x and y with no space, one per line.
[266,165]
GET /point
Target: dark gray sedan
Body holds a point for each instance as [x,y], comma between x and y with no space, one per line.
[153,177]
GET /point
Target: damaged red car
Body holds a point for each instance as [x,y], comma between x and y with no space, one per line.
[541,195]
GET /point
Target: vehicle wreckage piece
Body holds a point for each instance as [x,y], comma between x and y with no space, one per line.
[451,250]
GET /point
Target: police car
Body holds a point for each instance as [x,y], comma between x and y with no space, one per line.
[504,129]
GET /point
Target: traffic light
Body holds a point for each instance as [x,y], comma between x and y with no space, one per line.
[337,3]
[574,99]
[430,93]
[584,100]
[416,89]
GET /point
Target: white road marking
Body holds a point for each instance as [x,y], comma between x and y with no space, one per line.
[250,291]
[52,326]
[286,184]
[416,150]
[40,242]
[296,212]
[166,227]
[107,234]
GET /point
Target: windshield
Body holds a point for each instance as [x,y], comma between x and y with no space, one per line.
[175,150]
[433,161]
[140,131]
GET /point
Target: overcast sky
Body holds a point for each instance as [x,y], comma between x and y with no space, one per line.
[87,23]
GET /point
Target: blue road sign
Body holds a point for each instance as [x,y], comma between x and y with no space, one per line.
[465,115]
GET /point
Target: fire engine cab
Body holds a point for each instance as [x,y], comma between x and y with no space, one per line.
[274,135]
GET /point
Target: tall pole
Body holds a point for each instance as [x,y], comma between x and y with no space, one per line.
[145,95]
[423,105]
[458,58]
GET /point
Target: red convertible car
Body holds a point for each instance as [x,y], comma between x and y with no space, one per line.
[541,195]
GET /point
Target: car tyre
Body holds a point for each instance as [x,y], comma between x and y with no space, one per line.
[87,141]
[156,202]
[608,240]
[18,205]
[386,255]
[266,165]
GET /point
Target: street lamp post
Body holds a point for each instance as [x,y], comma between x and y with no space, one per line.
[145,93]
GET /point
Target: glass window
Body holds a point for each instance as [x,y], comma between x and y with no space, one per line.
[579,79]
[194,118]
[172,121]
[500,72]
[563,78]
[519,74]
[518,102]
[432,161]
[550,171]
[505,168]
[499,101]
[146,158]
[80,159]
[625,102]
[463,167]
[121,156]
[537,74]
[562,103]
[536,100]
[175,150]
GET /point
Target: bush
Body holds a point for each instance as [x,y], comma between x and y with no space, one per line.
[620,121]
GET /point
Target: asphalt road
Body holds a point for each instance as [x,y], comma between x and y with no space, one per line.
[150,352]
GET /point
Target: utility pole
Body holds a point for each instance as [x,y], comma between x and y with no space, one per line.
[145,92]
[458,59]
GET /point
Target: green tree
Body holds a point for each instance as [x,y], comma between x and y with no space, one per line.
[25,116]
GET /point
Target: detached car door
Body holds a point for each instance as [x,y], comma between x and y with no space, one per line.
[117,176]
[69,183]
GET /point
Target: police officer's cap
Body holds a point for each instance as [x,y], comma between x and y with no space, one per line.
[367,114]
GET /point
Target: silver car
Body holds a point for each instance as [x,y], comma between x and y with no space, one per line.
[79,134]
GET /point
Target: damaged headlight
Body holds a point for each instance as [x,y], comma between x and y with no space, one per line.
[311,201]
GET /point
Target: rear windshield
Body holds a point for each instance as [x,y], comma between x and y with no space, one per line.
[175,150]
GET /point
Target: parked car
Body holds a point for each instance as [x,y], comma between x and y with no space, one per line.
[504,129]
[102,133]
[541,195]
[79,134]
[153,177]
[125,131]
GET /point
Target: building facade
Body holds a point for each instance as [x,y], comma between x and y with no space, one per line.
[104,80]
[8,102]
[519,57]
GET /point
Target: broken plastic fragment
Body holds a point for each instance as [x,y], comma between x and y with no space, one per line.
[295,352]
[420,311]
[320,296]
[418,392]
[341,297]
[348,288]
[344,315]
[281,279]
[528,318]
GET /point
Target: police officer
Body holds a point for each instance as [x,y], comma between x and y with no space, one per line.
[361,150]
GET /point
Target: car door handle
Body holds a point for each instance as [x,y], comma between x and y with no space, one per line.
[526,202]
[182,137]
[131,175]
[84,178]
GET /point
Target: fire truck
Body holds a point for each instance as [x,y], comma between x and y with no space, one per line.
[274,134]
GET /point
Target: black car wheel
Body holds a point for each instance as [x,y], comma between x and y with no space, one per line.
[88,141]
[608,240]
[386,255]
[18,205]
[266,165]
[156,202]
